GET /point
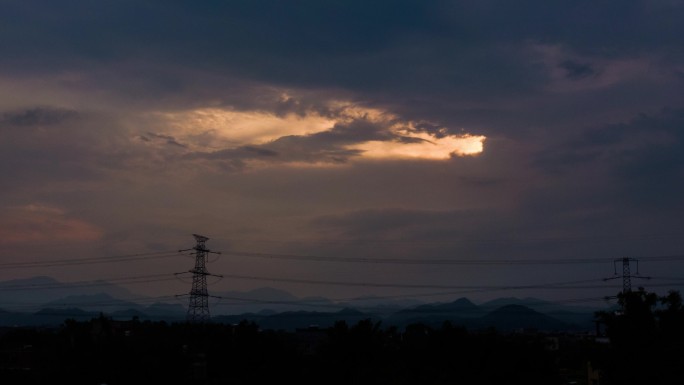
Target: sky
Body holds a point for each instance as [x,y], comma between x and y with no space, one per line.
[420,149]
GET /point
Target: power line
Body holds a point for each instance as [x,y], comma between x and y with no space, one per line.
[81,284]
[590,238]
[626,274]
[670,278]
[202,273]
[89,260]
[414,286]
[408,261]
[577,284]
[104,303]
[314,258]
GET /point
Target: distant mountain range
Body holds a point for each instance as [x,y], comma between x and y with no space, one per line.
[33,293]
[47,302]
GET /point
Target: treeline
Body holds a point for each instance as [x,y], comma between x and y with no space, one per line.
[646,339]
[645,347]
[102,351]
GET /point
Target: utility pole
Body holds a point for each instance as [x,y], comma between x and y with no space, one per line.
[198,308]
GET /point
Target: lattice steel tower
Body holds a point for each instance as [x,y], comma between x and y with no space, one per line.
[198,308]
[626,273]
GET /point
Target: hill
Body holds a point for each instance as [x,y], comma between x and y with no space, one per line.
[277,309]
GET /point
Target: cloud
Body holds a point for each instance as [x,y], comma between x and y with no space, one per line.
[213,127]
[621,146]
[405,224]
[575,70]
[427,120]
[36,222]
[36,116]
[474,65]
[626,177]
[346,132]
[424,146]
[162,139]
[48,143]
[461,49]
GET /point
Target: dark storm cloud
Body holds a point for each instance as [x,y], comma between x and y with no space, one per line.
[576,70]
[319,28]
[402,49]
[433,129]
[623,177]
[44,144]
[645,145]
[651,163]
[36,116]
[167,139]
[244,34]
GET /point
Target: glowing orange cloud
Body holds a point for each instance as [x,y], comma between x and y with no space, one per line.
[211,129]
[37,222]
[235,128]
[424,146]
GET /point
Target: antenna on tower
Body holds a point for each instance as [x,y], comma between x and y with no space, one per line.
[198,308]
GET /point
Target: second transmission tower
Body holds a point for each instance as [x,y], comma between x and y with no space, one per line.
[198,308]
[626,273]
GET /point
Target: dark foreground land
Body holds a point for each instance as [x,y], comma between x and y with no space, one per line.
[643,345]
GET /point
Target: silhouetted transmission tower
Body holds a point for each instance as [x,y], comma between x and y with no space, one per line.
[626,273]
[198,309]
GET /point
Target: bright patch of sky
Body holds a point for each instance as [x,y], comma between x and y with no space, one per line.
[211,129]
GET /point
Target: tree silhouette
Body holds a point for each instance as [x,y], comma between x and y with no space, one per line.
[646,340]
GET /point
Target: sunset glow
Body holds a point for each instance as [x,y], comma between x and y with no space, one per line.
[38,222]
[395,153]
[228,127]
[218,129]
[425,147]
